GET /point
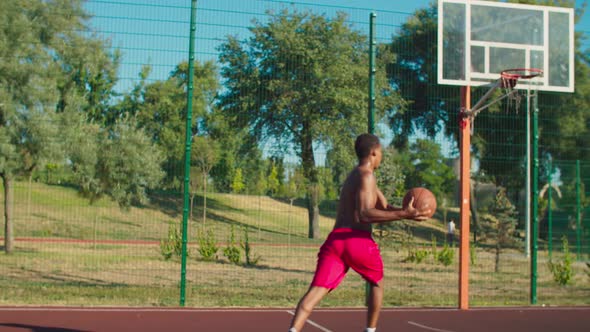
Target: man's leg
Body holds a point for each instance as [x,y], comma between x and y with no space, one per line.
[313,296]
[374,304]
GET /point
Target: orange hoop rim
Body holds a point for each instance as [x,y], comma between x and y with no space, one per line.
[517,73]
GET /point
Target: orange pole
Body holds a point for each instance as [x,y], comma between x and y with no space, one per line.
[465,152]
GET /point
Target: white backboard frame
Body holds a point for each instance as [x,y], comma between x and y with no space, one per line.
[558,76]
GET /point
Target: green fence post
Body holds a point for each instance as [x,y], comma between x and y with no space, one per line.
[372,72]
[535,198]
[578,213]
[549,211]
[187,148]
[371,115]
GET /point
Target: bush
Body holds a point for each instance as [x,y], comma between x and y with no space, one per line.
[232,252]
[562,271]
[251,259]
[415,255]
[446,256]
[172,245]
[207,245]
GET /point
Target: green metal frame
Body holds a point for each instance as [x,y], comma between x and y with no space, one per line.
[187,149]
[535,196]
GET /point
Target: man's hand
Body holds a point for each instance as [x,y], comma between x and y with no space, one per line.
[415,214]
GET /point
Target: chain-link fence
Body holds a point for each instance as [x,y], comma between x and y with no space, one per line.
[92,117]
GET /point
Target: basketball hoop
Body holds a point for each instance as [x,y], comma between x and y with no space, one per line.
[509,77]
[518,73]
[507,81]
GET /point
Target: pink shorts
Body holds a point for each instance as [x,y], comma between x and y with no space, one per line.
[348,248]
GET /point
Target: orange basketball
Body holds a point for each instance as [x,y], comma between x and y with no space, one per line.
[423,199]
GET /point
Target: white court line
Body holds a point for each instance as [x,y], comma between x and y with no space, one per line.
[427,327]
[311,322]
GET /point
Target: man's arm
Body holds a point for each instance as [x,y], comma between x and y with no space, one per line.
[369,197]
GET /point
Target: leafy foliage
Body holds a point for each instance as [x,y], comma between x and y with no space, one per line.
[427,167]
[251,258]
[128,164]
[161,112]
[299,80]
[563,271]
[499,226]
[446,256]
[232,251]
[390,176]
[207,245]
[172,245]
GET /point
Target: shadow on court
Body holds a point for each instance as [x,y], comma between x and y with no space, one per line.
[33,328]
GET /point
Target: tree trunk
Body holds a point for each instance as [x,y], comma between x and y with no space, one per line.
[313,190]
[204,197]
[8,226]
[313,210]
[29,196]
[497,262]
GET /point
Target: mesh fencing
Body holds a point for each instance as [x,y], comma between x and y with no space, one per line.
[96,223]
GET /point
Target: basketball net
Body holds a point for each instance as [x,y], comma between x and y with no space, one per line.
[506,83]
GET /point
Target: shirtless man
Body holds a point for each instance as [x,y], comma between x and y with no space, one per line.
[350,244]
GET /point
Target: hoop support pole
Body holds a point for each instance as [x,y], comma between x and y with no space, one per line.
[478,106]
[465,179]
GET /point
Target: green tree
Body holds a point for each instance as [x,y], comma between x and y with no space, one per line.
[204,155]
[273,182]
[499,226]
[42,47]
[431,107]
[82,145]
[299,80]
[295,186]
[429,168]
[390,176]
[341,158]
[162,112]
[237,185]
[128,163]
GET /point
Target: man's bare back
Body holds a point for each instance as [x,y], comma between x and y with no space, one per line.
[348,213]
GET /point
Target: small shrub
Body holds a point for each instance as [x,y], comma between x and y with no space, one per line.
[232,252]
[446,256]
[251,259]
[415,255]
[562,271]
[207,245]
[172,245]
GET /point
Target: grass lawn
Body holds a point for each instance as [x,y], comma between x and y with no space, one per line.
[132,271]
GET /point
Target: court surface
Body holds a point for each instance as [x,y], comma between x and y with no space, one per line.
[52,319]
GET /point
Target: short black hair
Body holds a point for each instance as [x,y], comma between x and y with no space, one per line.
[364,144]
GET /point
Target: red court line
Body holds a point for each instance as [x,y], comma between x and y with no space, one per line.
[65,319]
[144,242]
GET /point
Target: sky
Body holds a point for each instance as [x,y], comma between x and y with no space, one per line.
[155,32]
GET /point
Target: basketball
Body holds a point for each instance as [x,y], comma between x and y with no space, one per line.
[423,199]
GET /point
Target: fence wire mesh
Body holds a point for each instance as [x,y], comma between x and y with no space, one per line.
[92,109]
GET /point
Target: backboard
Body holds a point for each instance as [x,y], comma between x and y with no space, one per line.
[479,39]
